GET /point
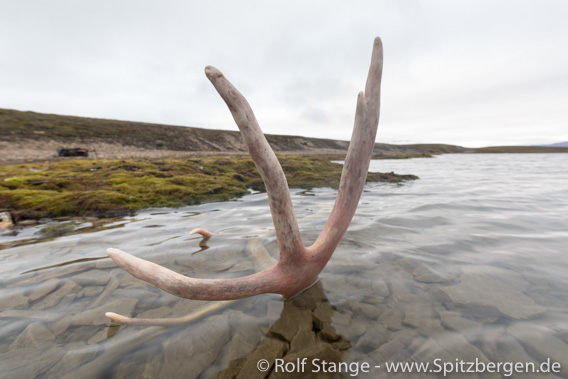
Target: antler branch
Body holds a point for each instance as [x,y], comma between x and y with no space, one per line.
[357,161]
[298,266]
[283,215]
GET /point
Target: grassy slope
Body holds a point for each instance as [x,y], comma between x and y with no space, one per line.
[17,126]
[20,126]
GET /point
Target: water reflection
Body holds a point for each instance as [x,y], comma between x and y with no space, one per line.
[303,332]
[49,230]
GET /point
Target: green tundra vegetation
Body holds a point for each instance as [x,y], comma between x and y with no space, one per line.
[108,188]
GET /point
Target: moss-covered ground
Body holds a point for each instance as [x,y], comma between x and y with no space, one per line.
[106,188]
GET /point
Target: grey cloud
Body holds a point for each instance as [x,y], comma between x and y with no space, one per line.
[467,72]
[315,115]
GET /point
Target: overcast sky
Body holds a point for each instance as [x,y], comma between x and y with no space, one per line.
[468,72]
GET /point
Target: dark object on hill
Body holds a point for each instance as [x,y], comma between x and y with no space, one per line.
[72,152]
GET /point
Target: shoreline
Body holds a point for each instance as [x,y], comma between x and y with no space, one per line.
[27,151]
[69,187]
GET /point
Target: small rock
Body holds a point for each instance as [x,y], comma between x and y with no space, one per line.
[365,310]
[242,266]
[6,220]
[380,288]
[455,321]
[447,347]
[321,351]
[274,309]
[268,348]
[541,345]
[92,278]
[357,328]
[480,289]
[322,315]
[373,300]
[30,362]
[392,318]
[187,353]
[57,229]
[73,358]
[60,297]
[35,335]
[153,366]
[401,292]
[373,338]
[390,351]
[239,345]
[342,318]
[42,289]
[92,291]
[161,312]
[292,321]
[416,312]
[60,326]
[14,300]
[305,337]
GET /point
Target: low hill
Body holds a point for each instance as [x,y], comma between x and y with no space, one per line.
[29,136]
[32,136]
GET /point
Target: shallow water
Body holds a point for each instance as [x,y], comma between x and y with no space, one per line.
[466,264]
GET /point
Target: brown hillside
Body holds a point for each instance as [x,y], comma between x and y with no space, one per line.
[31,136]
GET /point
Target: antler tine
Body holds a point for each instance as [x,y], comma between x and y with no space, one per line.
[373,85]
[267,281]
[283,215]
[357,160]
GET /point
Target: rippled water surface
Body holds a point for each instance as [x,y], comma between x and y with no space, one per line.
[468,263]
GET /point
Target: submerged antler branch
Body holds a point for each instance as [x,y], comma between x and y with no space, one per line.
[299,266]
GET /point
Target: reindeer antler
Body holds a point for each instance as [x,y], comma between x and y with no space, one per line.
[299,266]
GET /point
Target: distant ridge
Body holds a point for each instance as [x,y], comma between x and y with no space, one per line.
[559,144]
[31,136]
[17,126]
